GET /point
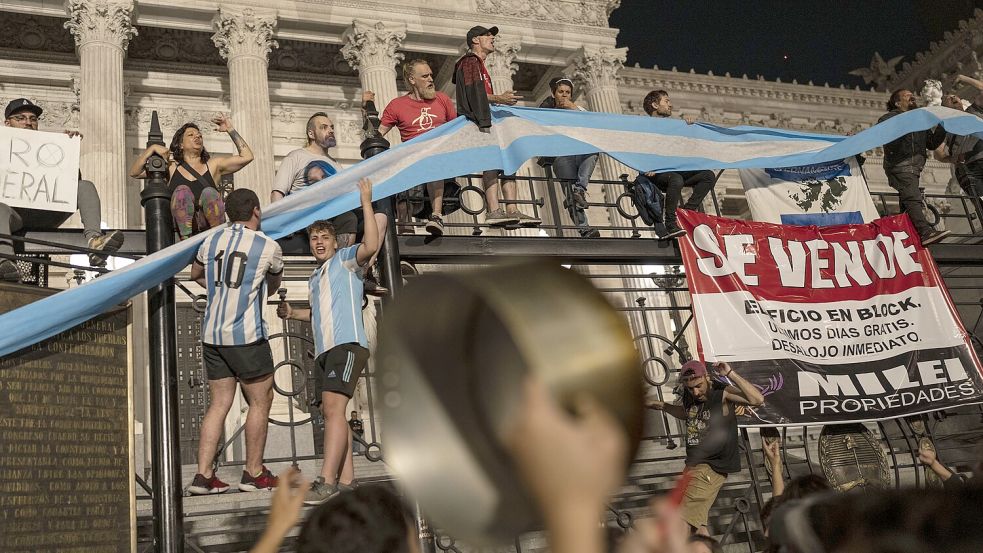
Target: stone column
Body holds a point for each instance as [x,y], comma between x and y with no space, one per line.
[244,37]
[501,63]
[102,31]
[596,70]
[370,48]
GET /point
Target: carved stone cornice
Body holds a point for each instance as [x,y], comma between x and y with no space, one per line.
[598,67]
[103,21]
[744,87]
[501,63]
[244,32]
[577,12]
[373,45]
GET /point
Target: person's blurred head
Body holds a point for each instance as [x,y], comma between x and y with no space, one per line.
[22,114]
[804,486]
[320,131]
[322,238]
[703,544]
[902,100]
[693,375]
[952,101]
[882,521]
[188,140]
[419,78]
[657,104]
[368,519]
[562,88]
[242,205]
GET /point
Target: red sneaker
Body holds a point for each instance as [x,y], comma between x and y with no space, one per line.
[265,481]
[204,486]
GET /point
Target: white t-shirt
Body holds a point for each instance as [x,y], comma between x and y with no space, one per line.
[290,176]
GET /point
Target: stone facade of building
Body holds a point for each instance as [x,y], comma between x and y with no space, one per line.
[103,66]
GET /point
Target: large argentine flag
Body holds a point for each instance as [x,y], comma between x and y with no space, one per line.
[830,193]
[458,148]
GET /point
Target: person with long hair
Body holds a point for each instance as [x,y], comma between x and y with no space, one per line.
[196,203]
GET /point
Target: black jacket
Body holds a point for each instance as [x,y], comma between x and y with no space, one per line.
[907,153]
[472,99]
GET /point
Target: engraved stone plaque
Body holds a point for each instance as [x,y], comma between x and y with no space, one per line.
[65,468]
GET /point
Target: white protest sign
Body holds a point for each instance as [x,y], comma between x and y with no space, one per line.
[39,170]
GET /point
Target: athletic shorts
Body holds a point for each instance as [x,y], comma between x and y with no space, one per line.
[338,369]
[700,495]
[243,362]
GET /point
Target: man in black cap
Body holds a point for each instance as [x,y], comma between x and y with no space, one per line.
[23,114]
[474,96]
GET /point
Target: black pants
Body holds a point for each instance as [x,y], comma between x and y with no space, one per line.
[970,179]
[701,181]
[910,199]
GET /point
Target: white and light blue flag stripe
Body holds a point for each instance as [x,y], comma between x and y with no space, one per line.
[459,148]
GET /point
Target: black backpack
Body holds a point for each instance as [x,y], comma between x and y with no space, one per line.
[647,199]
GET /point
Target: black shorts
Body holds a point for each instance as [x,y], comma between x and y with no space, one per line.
[243,362]
[338,369]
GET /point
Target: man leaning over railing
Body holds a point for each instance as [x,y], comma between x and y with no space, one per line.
[904,160]
[965,152]
[577,168]
[24,114]
[421,109]
[474,95]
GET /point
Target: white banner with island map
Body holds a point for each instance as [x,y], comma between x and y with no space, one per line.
[832,193]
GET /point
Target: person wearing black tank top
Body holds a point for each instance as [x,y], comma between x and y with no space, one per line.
[711,433]
[196,203]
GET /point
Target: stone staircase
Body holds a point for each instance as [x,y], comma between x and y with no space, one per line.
[232,522]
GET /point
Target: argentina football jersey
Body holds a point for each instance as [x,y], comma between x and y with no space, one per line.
[336,302]
[236,262]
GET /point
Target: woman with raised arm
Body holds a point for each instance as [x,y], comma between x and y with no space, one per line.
[196,203]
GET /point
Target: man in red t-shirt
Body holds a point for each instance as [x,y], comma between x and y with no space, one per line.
[422,108]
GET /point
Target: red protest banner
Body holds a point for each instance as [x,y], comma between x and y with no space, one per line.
[834,324]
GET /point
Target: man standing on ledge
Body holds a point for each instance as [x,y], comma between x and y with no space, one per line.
[421,109]
[474,96]
[24,114]
[904,160]
[239,266]
[711,434]
[657,104]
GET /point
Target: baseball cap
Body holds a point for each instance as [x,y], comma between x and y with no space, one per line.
[692,369]
[478,30]
[21,104]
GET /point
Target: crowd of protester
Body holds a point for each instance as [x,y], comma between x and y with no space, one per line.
[568,464]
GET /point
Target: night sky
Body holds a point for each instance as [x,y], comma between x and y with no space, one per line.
[790,39]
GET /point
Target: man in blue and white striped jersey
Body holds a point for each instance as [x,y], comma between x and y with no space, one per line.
[239,266]
[335,294]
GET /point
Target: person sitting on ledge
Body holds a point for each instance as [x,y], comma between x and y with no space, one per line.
[196,203]
[24,114]
[657,104]
[577,168]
